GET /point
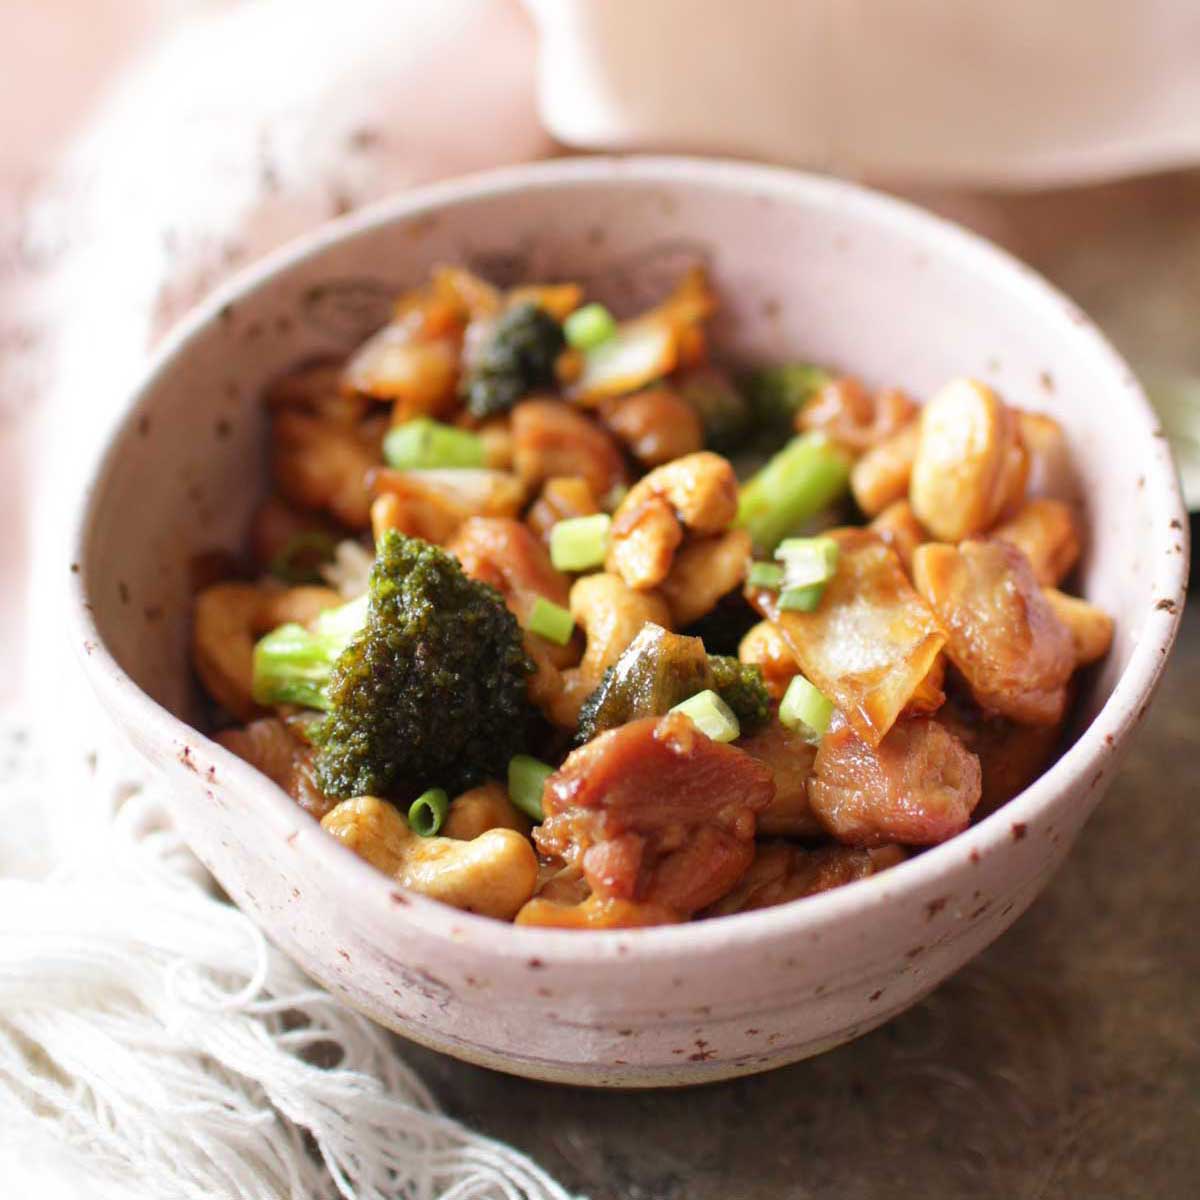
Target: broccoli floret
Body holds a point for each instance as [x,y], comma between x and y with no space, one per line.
[741,686]
[777,394]
[723,410]
[433,691]
[517,359]
[658,670]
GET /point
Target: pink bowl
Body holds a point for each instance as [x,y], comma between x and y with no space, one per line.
[805,266]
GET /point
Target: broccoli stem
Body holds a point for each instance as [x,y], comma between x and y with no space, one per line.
[804,478]
[292,664]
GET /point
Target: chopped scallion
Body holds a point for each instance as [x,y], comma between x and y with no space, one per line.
[526,781]
[580,543]
[711,715]
[427,813]
[804,478]
[765,575]
[589,326]
[807,561]
[805,709]
[801,599]
[424,444]
[550,621]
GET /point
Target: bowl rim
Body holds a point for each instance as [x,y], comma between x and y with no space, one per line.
[1123,709]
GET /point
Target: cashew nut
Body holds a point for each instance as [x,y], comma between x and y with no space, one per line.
[899,528]
[703,571]
[847,413]
[881,476]
[1091,627]
[698,492]
[763,644]
[483,808]
[493,874]
[971,464]
[610,613]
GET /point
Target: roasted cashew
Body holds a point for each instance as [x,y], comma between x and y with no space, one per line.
[562,497]
[898,526]
[971,464]
[881,476]
[703,571]
[697,493]
[1091,627]
[482,808]
[764,646]
[494,874]
[610,613]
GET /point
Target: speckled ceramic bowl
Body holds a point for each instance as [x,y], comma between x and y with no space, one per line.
[805,266]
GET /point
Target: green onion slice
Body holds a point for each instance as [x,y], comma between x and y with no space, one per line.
[526,781]
[551,621]
[424,444]
[427,813]
[711,715]
[805,709]
[765,575]
[801,599]
[808,560]
[580,543]
[589,326]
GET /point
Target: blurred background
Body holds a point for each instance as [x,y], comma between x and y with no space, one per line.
[150,148]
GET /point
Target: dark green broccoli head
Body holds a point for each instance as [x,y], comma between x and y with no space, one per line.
[517,359]
[777,394]
[433,692]
[741,686]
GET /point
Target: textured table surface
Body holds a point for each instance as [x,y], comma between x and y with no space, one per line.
[1064,1063]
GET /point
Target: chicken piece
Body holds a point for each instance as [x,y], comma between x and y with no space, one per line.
[271,747]
[1004,636]
[782,872]
[872,640]
[324,465]
[1046,532]
[657,813]
[656,425]
[764,646]
[898,527]
[314,390]
[410,363]
[1010,756]
[881,476]
[790,757]
[930,693]
[563,497]
[918,787]
[845,411]
[971,464]
[550,438]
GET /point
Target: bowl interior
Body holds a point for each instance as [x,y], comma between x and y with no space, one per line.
[805,268]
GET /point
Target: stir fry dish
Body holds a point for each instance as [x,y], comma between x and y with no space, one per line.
[554,618]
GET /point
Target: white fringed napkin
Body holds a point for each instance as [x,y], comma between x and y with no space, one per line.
[153,1043]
